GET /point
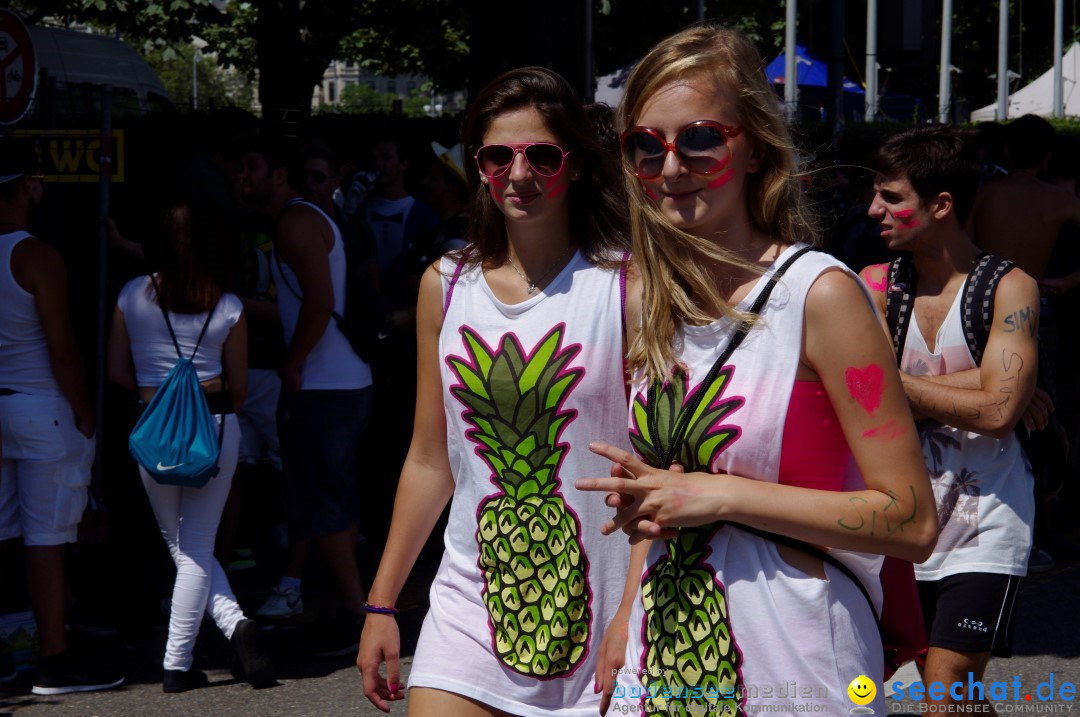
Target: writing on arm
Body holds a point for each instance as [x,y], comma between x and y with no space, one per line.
[889,512]
[1006,377]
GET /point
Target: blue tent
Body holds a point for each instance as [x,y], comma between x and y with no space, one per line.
[809,72]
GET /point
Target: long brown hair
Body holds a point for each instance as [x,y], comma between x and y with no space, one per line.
[674,264]
[598,210]
[194,264]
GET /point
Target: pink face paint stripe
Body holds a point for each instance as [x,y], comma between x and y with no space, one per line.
[722,179]
[557,190]
[651,194]
[866,385]
[904,214]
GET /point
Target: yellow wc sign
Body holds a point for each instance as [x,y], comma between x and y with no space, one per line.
[74,155]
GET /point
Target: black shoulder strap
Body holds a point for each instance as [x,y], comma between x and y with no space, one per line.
[168,323]
[977,304]
[667,456]
[900,302]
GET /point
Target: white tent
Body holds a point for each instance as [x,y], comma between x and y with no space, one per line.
[1038,97]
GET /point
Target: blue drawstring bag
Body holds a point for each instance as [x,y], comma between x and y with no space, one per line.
[176,440]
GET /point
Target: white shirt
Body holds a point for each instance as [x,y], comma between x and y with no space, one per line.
[152,349]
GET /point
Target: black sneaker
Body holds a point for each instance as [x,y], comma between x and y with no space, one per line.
[337,637]
[61,674]
[247,641]
[183,680]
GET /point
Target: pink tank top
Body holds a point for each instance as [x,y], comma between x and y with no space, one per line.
[815,453]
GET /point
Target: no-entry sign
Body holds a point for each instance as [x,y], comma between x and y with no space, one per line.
[18,68]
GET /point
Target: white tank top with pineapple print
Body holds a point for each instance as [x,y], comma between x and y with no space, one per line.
[983,485]
[527,583]
[722,623]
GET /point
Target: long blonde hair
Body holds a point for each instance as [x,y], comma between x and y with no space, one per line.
[674,264]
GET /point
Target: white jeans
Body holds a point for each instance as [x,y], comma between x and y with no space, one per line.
[188,518]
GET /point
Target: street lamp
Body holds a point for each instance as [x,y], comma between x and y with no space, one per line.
[199,44]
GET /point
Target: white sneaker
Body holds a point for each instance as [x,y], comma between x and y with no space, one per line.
[282,604]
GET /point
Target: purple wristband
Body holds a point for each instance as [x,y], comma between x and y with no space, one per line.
[380,610]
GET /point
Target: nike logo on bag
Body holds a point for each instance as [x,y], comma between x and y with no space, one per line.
[167,468]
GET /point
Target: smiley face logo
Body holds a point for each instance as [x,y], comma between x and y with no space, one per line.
[862,690]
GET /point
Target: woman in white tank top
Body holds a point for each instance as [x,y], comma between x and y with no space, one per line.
[520,365]
[190,286]
[724,619]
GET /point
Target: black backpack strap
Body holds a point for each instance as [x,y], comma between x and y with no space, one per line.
[813,550]
[667,456]
[977,304]
[900,302]
[205,326]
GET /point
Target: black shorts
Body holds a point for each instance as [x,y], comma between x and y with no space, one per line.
[320,432]
[970,612]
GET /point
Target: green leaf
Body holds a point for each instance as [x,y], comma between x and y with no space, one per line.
[539,360]
[560,388]
[481,358]
[527,446]
[526,488]
[641,418]
[711,392]
[468,377]
[504,387]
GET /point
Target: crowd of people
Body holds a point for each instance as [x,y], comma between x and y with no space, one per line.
[610,315]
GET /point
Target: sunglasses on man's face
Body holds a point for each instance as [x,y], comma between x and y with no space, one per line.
[545,158]
[702,147]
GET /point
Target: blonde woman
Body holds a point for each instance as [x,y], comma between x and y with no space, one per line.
[791,438]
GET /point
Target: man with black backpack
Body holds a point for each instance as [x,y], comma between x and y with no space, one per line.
[326,393]
[964,327]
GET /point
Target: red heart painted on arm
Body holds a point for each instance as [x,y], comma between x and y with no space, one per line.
[866,385]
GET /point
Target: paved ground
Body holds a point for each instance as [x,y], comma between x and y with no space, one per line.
[1048,643]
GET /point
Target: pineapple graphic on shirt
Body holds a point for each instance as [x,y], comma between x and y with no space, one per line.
[535,571]
[691,662]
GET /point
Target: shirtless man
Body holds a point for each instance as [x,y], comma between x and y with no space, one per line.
[1019,216]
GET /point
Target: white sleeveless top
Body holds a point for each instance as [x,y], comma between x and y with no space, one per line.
[983,485]
[332,364]
[527,584]
[24,355]
[152,349]
[721,619]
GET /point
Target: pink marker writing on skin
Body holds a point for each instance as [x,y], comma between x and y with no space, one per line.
[877,277]
[866,385]
[888,431]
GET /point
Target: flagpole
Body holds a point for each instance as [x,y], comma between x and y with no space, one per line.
[1003,62]
[1059,22]
[945,82]
[790,75]
[871,60]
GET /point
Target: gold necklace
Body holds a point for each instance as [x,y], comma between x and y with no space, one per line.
[530,285]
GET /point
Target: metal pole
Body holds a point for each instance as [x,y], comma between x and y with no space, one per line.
[1059,28]
[590,80]
[790,75]
[871,60]
[195,80]
[1003,62]
[701,10]
[945,82]
[104,177]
